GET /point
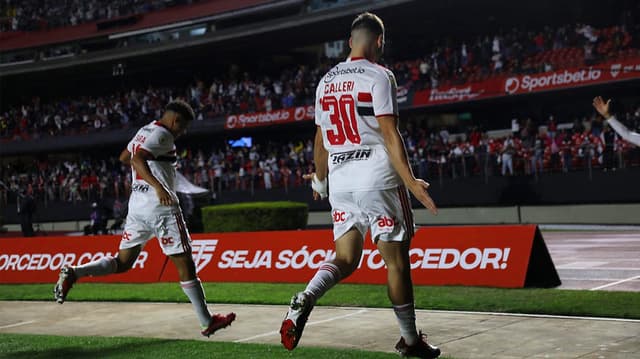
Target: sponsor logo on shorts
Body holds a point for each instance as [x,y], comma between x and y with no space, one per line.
[385,222]
[142,188]
[355,155]
[166,240]
[339,216]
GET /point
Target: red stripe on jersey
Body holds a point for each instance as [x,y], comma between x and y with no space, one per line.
[184,236]
[405,202]
[387,114]
[158,123]
[365,97]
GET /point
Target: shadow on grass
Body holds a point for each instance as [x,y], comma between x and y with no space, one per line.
[75,351]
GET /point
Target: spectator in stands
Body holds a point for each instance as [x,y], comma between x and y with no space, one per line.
[555,144]
[567,151]
[515,127]
[608,138]
[119,213]
[97,221]
[26,209]
[537,156]
[508,150]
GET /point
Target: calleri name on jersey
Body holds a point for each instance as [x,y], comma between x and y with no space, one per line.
[349,98]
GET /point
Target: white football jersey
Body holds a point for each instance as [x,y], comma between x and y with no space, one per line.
[157,140]
[348,100]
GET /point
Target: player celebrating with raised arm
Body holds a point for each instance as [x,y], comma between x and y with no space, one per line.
[359,147]
[154,212]
[603,109]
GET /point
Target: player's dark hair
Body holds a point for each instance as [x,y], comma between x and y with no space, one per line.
[182,109]
[369,22]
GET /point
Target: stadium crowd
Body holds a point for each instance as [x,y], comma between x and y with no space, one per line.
[524,149]
[530,146]
[238,91]
[41,15]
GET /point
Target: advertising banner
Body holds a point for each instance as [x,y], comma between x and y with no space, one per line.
[525,84]
[39,259]
[275,117]
[575,77]
[497,256]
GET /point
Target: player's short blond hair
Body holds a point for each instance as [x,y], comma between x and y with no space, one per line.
[369,22]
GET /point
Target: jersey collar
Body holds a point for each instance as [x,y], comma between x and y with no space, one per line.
[158,123]
[355,58]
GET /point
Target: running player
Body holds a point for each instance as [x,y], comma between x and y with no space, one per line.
[603,109]
[359,147]
[154,212]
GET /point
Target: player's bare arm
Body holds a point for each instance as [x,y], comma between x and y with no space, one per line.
[603,109]
[139,163]
[398,156]
[321,158]
[125,157]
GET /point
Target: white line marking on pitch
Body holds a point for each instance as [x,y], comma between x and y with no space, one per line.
[308,324]
[615,283]
[17,324]
[542,316]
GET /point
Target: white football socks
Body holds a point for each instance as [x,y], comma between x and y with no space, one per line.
[406,315]
[102,266]
[325,278]
[193,289]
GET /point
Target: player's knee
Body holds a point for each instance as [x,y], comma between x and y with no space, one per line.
[347,264]
[123,266]
[400,268]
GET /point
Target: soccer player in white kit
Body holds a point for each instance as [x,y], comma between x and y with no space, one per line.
[603,109]
[154,211]
[358,145]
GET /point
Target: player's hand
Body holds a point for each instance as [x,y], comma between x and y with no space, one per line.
[602,107]
[419,189]
[164,196]
[319,187]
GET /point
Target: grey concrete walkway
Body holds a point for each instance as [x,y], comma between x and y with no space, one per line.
[460,335]
[602,260]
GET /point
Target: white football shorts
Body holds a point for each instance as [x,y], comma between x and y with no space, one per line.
[387,213]
[169,227]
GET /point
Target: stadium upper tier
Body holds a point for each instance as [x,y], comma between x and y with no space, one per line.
[225,92]
[31,23]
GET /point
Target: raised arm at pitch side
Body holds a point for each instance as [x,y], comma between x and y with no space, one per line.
[603,109]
